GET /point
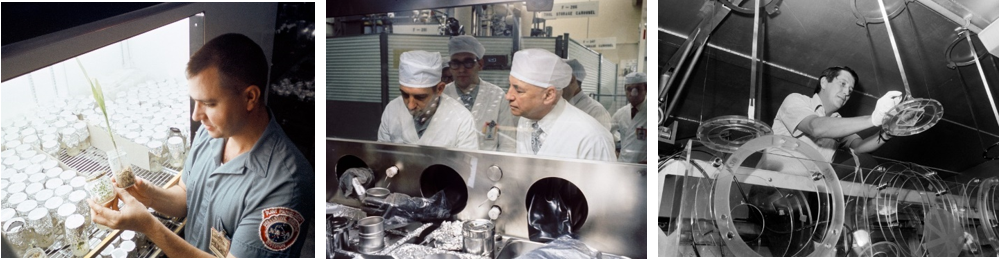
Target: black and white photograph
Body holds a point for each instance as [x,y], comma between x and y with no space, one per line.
[850,128]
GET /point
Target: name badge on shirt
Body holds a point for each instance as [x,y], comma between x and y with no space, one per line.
[641,133]
[219,243]
[490,130]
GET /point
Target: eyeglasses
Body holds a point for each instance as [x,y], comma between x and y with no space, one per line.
[468,63]
[637,86]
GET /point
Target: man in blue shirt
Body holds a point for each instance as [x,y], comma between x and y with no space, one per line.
[245,188]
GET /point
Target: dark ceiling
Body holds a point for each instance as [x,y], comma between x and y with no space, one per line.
[809,36]
[22,21]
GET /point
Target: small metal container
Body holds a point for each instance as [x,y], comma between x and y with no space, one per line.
[478,237]
[377,192]
[370,234]
[371,225]
[337,232]
[375,201]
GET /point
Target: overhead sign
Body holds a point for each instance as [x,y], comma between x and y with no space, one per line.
[605,43]
[571,10]
[429,29]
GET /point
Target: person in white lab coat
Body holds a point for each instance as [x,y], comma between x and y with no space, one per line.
[631,120]
[549,126]
[492,120]
[581,100]
[422,115]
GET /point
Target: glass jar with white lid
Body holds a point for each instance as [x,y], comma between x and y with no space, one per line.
[70,142]
[53,172]
[14,199]
[40,221]
[33,188]
[52,205]
[26,207]
[53,183]
[82,133]
[17,233]
[76,235]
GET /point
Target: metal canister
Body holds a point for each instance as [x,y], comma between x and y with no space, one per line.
[478,237]
[370,235]
[337,232]
[374,203]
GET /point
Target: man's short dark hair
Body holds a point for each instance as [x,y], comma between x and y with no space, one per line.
[829,74]
[240,62]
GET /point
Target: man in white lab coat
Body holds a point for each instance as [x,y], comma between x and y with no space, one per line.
[422,115]
[492,120]
[631,120]
[580,100]
[549,126]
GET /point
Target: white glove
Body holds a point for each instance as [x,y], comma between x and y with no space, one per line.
[884,104]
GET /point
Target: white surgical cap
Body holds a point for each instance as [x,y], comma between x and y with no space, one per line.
[579,70]
[635,77]
[541,68]
[420,69]
[466,44]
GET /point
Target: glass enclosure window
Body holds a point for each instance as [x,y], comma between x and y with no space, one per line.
[142,78]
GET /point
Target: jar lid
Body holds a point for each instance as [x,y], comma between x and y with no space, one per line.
[16,187]
[67,131]
[127,245]
[77,196]
[78,182]
[30,138]
[35,177]
[66,209]
[7,153]
[94,243]
[43,195]
[17,177]
[50,164]
[63,191]
[119,253]
[73,221]
[37,214]
[53,183]
[49,143]
[7,214]
[51,137]
[11,160]
[22,164]
[17,198]
[173,141]
[154,144]
[27,154]
[26,206]
[107,251]
[128,234]
[33,188]
[12,144]
[54,203]
[38,159]
[14,225]
[68,174]
[53,172]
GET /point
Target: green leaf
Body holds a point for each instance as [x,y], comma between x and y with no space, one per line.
[95,88]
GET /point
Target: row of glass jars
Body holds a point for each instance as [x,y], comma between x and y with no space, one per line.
[69,134]
[34,214]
